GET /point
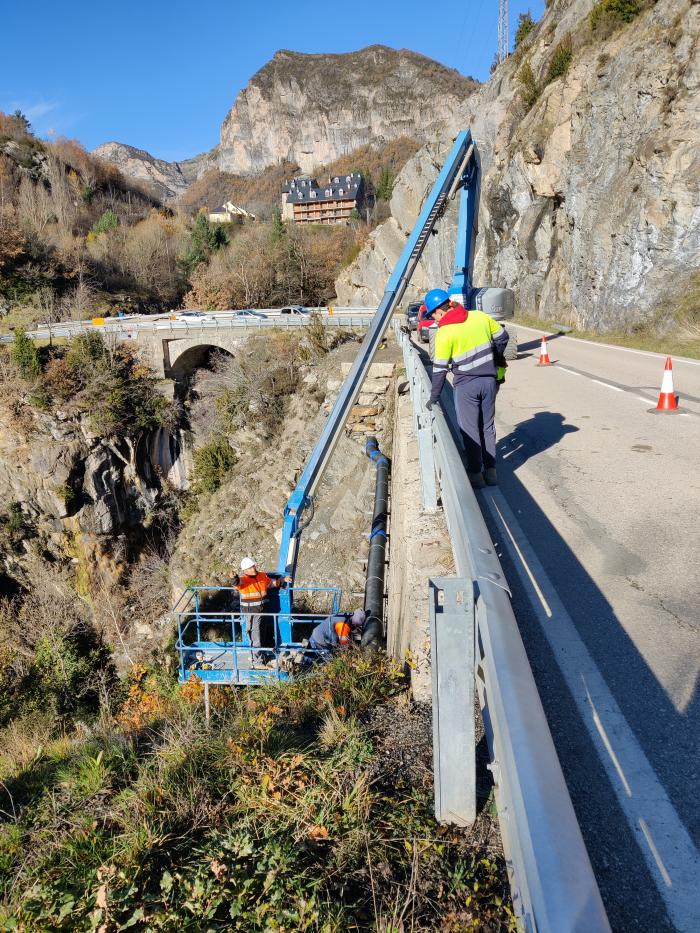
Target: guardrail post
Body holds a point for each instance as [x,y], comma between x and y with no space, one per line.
[452,663]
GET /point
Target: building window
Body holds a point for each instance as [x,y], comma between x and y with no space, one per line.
[313,194]
[341,192]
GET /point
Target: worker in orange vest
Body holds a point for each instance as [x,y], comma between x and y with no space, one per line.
[336,632]
[253,586]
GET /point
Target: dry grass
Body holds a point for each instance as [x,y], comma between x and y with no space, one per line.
[285,814]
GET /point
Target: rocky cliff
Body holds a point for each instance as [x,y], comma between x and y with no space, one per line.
[590,202]
[166,179]
[311,109]
[79,498]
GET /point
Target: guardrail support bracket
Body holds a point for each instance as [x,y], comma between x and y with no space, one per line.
[452,663]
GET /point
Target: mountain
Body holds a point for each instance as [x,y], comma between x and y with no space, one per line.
[311,110]
[166,179]
[590,204]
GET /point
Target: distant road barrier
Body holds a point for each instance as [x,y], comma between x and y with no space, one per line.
[552,882]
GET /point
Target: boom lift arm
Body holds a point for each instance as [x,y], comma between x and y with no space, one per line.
[460,171]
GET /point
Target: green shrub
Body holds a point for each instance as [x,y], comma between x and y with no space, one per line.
[25,355]
[211,464]
[525,26]
[385,185]
[608,15]
[530,88]
[108,221]
[561,59]
[206,238]
[15,519]
[118,391]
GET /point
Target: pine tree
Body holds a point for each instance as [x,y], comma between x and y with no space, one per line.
[25,355]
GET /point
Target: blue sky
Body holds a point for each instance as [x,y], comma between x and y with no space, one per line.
[162,76]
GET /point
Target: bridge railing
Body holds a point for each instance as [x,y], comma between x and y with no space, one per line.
[125,329]
[552,881]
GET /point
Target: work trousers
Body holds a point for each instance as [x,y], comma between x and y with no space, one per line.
[253,623]
[475,402]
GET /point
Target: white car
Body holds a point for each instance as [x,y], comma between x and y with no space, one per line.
[195,317]
[248,313]
[295,309]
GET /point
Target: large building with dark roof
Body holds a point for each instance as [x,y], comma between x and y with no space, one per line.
[306,202]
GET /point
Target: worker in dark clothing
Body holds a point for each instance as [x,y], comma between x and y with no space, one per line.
[336,632]
[471,342]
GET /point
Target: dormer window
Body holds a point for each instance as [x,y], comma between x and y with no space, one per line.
[312,194]
[336,180]
[341,192]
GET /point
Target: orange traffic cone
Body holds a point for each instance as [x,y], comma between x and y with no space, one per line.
[668,402]
[544,354]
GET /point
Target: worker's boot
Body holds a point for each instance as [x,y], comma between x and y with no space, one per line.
[491,476]
[477,480]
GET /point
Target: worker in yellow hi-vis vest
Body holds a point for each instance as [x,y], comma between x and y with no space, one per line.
[471,342]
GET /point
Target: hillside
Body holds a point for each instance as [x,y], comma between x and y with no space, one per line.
[590,207]
[260,193]
[164,179]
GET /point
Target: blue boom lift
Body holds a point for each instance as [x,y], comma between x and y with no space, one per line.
[228,657]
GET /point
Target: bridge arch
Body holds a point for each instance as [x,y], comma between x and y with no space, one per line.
[186,355]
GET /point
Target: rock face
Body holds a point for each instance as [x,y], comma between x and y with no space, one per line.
[590,202]
[84,498]
[310,109]
[167,179]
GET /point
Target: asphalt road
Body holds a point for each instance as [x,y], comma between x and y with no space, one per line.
[596,518]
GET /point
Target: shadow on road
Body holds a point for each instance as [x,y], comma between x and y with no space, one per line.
[535,344]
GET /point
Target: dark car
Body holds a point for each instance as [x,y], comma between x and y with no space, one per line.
[412,315]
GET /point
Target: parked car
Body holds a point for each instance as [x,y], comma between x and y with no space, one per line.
[194,317]
[412,315]
[294,309]
[424,327]
[249,313]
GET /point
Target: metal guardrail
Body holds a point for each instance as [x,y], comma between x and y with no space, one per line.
[552,882]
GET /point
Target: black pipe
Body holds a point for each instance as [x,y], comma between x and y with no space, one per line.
[373,633]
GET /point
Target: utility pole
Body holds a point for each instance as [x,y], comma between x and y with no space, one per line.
[502,53]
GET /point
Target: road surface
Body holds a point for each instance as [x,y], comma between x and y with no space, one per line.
[596,518]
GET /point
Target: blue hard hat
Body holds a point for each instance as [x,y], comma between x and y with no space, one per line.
[435,298]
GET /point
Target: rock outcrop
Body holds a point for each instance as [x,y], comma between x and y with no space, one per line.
[83,498]
[165,179]
[311,109]
[590,203]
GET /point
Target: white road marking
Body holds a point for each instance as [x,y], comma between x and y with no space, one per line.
[513,451]
[673,860]
[540,594]
[612,346]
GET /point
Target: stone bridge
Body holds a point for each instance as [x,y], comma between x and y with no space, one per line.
[174,352]
[174,356]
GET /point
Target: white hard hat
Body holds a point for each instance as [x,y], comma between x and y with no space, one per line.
[247,563]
